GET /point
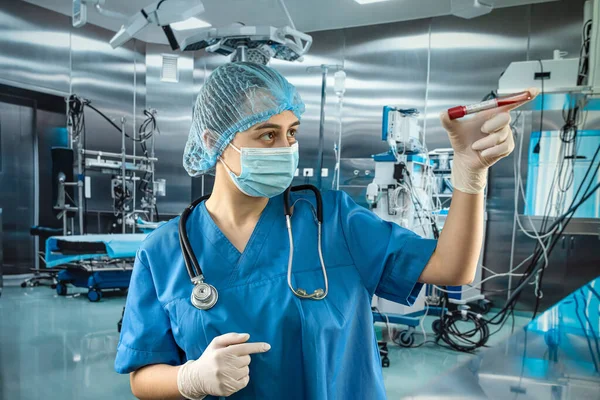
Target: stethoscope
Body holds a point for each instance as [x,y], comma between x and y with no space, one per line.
[204,296]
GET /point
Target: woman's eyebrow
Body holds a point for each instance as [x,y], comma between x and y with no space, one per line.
[268,125]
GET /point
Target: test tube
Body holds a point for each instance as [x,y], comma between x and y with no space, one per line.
[461,111]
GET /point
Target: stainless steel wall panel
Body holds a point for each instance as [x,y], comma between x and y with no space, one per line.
[174,102]
[356,172]
[385,65]
[34,47]
[17,179]
[105,76]
[556,25]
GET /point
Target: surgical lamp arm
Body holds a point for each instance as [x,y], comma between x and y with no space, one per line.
[133,26]
[105,12]
[299,41]
[162,13]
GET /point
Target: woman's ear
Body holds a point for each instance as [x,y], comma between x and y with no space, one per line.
[207,139]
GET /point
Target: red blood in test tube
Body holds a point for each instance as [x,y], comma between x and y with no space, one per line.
[461,111]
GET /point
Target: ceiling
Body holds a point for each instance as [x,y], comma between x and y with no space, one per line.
[308,15]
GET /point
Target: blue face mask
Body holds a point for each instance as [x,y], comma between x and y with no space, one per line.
[265,172]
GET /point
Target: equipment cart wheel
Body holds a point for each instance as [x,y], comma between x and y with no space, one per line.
[23,284]
[53,286]
[484,306]
[94,295]
[436,326]
[385,362]
[61,289]
[406,338]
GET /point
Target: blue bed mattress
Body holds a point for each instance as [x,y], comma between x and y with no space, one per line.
[68,249]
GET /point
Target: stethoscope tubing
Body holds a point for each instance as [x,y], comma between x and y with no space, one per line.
[195,271]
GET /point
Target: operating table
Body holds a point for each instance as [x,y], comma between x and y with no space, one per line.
[95,262]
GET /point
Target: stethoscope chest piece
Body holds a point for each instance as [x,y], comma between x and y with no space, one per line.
[204,296]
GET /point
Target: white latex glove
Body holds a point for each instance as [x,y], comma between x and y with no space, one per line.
[479,142]
[222,370]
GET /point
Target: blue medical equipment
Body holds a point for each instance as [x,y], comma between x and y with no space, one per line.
[96,262]
[205,296]
[542,168]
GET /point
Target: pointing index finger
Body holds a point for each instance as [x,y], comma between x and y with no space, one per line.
[249,348]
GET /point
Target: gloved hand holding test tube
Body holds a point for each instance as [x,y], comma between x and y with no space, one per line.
[479,142]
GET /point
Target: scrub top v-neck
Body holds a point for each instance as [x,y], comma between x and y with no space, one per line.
[323,349]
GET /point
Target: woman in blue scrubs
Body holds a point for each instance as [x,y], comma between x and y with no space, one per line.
[261,341]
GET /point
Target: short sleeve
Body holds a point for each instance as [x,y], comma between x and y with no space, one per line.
[146,336]
[389,258]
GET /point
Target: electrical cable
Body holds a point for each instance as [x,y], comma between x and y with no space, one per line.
[451,335]
[519,186]
[591,289]
[88,104]
[536,149]
[584,53]
[547,213]
[539,281]
[512,300]
[287,14]
[159,4]
[461,341]
[585,332]
[567,216]
[534,267]
[587,317]
[386,321]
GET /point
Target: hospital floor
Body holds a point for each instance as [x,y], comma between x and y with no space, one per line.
[55,347]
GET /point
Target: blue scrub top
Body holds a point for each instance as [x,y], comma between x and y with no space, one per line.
[323,349]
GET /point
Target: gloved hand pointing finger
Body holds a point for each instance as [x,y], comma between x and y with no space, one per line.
[221,370]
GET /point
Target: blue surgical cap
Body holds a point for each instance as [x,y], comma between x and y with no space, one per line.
[235,97]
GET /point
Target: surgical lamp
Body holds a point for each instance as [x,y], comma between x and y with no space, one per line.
[162,13]
[251,43]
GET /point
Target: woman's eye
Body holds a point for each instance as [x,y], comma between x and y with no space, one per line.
[268,136]
[291,133]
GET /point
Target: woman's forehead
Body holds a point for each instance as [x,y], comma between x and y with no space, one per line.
[285,118]
[282,120]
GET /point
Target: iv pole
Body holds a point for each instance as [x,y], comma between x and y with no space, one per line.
[324,68]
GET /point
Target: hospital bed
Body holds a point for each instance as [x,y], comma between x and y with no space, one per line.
[95,262]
